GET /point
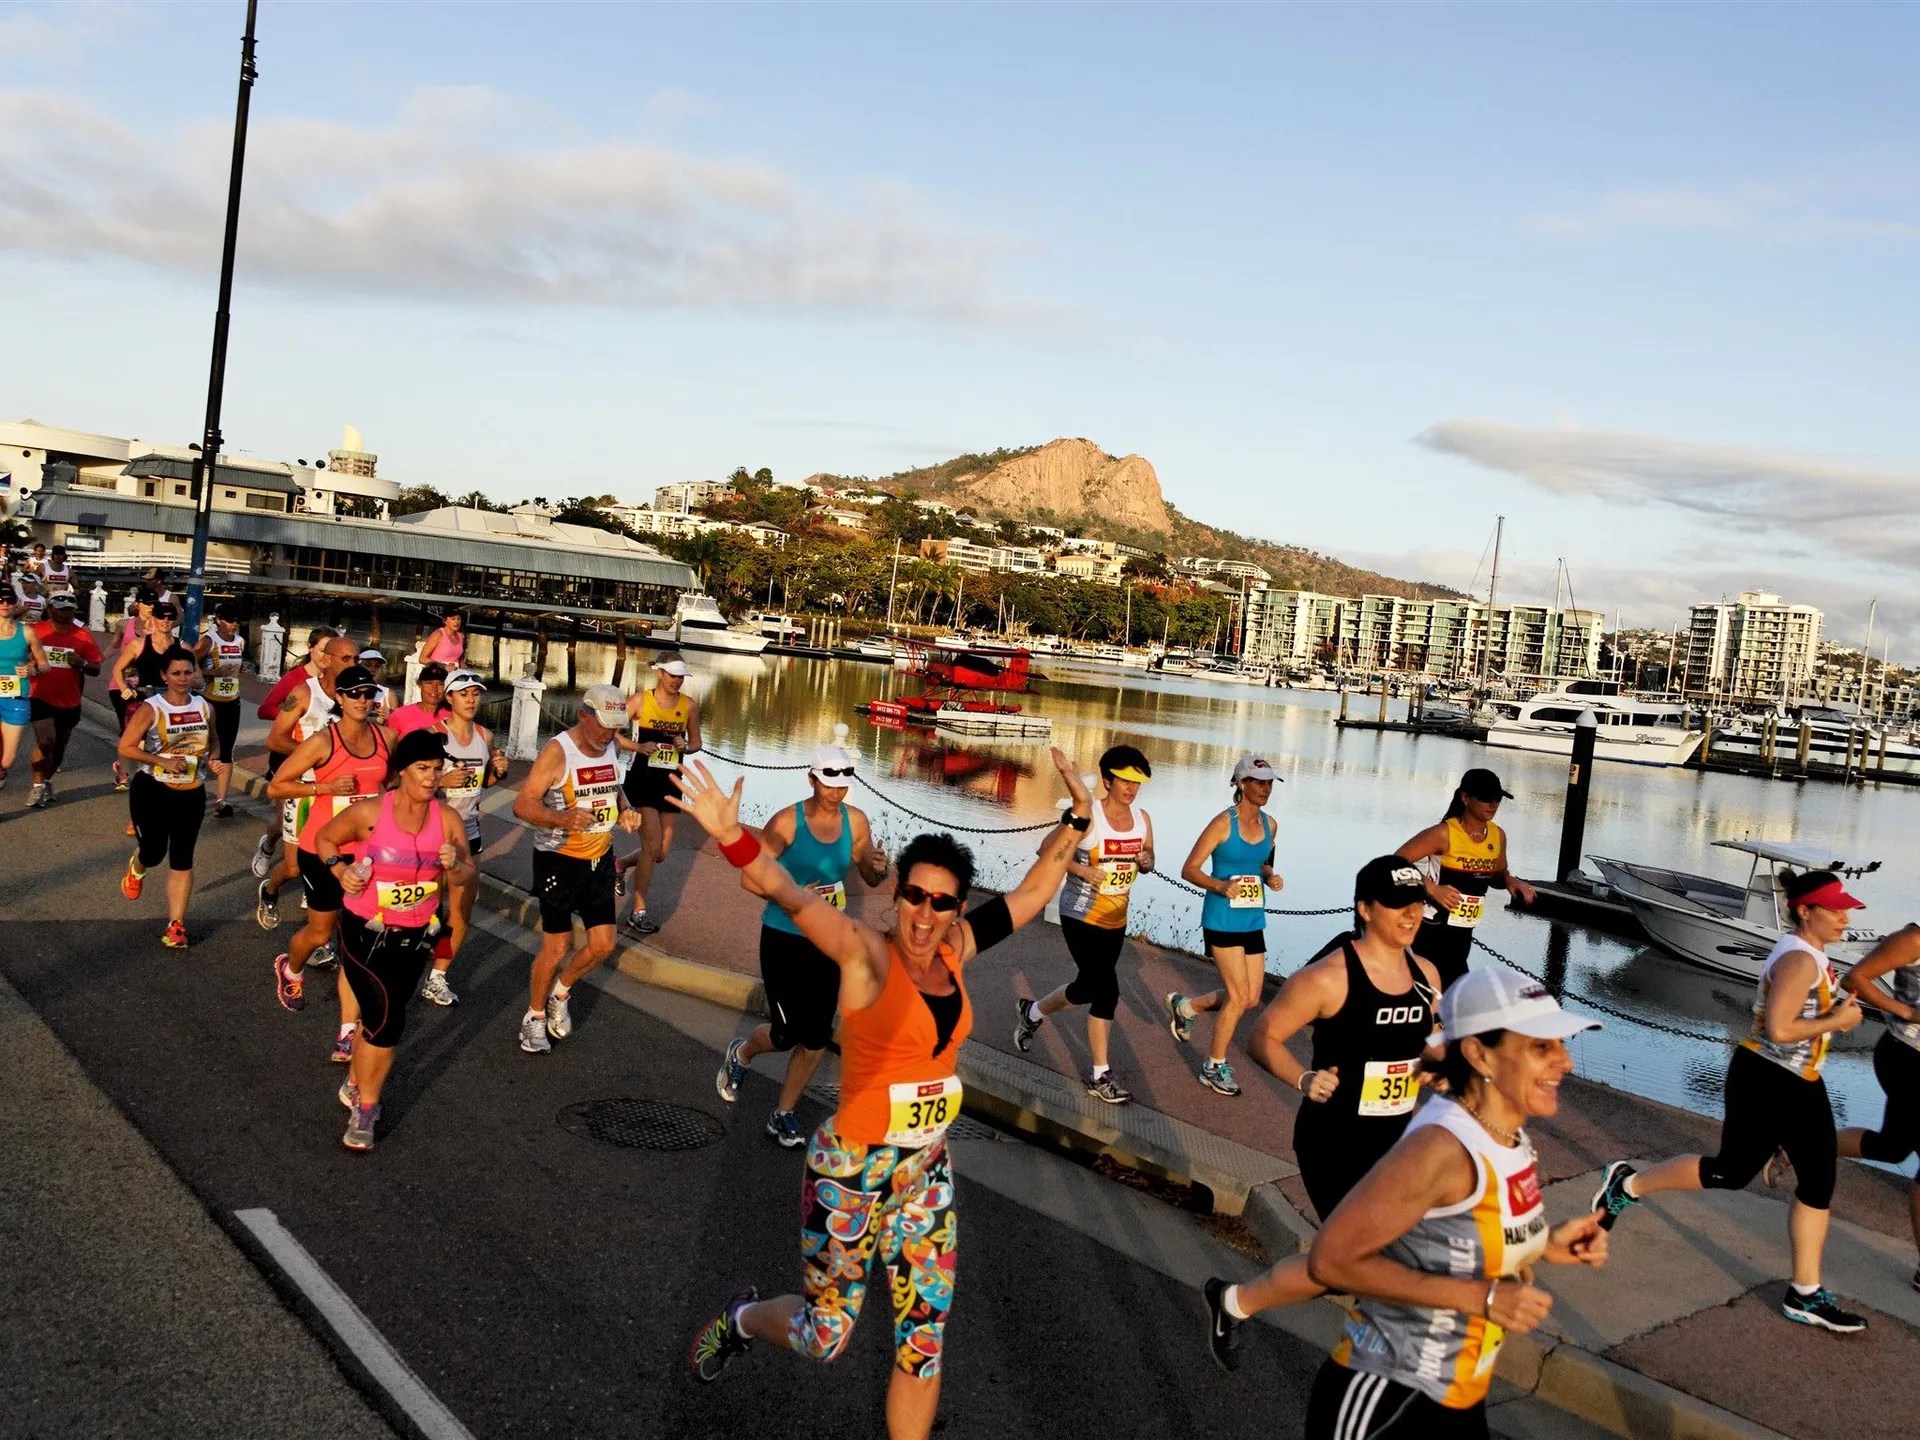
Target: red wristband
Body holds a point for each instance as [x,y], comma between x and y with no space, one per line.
[742,852]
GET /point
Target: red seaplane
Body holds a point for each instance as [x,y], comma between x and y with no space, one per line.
[956,679]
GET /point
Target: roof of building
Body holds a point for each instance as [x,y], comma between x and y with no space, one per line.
[167,467]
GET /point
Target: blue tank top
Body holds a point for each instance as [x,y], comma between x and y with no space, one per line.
[1235,856]
[14,656]
[814,866]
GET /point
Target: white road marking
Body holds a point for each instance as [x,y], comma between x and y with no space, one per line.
[369,1346]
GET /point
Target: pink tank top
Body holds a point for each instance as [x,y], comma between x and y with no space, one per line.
[404,889]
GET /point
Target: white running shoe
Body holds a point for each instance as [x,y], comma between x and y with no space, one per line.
[559,1022]
[533,1035]
[262,862]
[438,990]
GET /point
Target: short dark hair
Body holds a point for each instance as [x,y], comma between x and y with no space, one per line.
[1451,1070]
[1120,757]
[941,850]
[1798,884]
[177,652]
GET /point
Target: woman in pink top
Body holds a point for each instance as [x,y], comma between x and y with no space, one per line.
[448,644]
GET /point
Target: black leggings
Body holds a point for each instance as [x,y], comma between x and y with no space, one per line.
[1897,1067]
[384,971]
[226,726]
[1447,947]
[166,821]
[1096,950]
[1335,1152]
[1770,1108]
[1348,1405]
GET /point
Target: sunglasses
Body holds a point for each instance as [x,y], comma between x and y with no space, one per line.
[914,895]
[834,774]
[360,692]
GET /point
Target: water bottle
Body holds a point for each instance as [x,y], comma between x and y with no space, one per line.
[362,868]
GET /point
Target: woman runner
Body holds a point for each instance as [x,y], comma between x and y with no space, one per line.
[1093,915]
[878,1174]
[666,726]
[1776,1098]
[1438,1243]
[221,652]
[167,738]
[1472,854]
[1896,1057]
[131,629]
[1233,917]
[21,660]
[473,763]
[405,847]
[1370,1001]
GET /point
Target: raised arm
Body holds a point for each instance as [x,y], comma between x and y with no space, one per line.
[1428,843]
[289,782]
[138,723]
[1043,877]
[530,804]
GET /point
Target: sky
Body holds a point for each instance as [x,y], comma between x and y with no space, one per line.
[1643,279]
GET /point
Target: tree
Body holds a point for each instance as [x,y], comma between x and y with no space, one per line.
[412,499]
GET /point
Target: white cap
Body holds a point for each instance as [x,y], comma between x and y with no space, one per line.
[833,757]
[1252,767]
[61,598]
[671,665]
[372,654]
[605,704]
[464,680]
[1502,999]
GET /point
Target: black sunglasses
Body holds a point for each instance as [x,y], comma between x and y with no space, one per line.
[360,692]
[834,774]
[914,895]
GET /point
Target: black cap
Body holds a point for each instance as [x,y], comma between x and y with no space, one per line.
[166,610]
[1484,785]
[225,611]
[1391,881]
[432,670]
[146,595]
[418,745]
[354,676]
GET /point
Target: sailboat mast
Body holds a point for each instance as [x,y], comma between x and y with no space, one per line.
[1866,652]
[1493,591]
[894,583]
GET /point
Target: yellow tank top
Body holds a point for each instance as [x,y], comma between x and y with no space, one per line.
[655,717]
[1467,864]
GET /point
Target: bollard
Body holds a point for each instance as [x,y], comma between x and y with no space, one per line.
[1880,761]
[97,608]
[126,606]
[273,648]
[1573,820]
[523,730]
[1343,704]
[1706,742]
[412,690]
[1383,702]
[1805,745]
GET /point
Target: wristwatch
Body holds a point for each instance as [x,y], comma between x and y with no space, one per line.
[338,859]
[1076,822]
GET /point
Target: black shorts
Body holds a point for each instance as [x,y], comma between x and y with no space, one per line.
[648,788]
[226,726]
[384,970]
[323,886]
[1770,1108]
[1348,1405]
[1335,1150]
[803,990]
[568,886]
[1897,1067]
[1447,946]
[1096,955]
[166,821]
[1254,942]
[64,717]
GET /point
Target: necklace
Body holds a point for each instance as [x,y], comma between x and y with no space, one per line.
[1505,1137]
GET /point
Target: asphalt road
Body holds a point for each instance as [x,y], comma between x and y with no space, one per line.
[536,1280]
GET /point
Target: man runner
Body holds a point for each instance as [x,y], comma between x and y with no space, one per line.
[71,652]
[221,652]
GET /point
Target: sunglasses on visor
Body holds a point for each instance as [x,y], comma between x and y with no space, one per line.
[914,895]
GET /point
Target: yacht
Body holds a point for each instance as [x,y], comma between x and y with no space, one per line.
[1724,926]
[1636,731]
[778,628]
[1831,734]
[699,625]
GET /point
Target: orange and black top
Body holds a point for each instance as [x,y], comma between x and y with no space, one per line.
[897,1057]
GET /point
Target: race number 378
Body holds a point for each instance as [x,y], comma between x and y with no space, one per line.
[919,1111]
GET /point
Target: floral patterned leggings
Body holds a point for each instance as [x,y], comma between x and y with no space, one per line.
[859,1198]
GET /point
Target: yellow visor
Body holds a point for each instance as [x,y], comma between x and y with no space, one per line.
[1128,772]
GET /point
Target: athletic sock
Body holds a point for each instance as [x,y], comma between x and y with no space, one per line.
[346,1030]
[559,992]
[1099,1072]
[1034,1017]
[1805,1292]
[1230,1302]
[1630,1188]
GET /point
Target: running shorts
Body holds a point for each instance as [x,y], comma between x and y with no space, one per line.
[1335,1152]
[1096,951]
[1254,942]
[803,990]
[568,886]
[384,970]
[1770,1108]
[1348,1405]
[226,726]
[166,821]
[16,711]
[323,886]
[860,1198]
[648,787]
[1897,1067]
[64,717]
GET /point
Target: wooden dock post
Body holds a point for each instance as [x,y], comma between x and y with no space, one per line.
[1343,704]
[499,634]
[619,655]
[539,671]
[573,655]
[1383,702]
[1880,760]
[1706,741]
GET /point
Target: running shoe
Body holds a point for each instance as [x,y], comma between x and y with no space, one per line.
[1223,1331]
[262,862]
[349,1094]
[1107,1088]
[289,988]
[438,990]
[46,799]
[266,907]
[131,882]
[360,1123]
[1025,1027]
[720,1340]
[1217,1076]
[784,1126]
[1778,1169]
[119,776]
[174,937]
[322,955]
[1613,1197]
[131,830]
[533,1034]
[619,883]
[38,797]
[1916,1279]
[559,1020]
[641,923]
[1179,1016]
[732,1073]
[224,810]
[342,1052]
[1820,1308]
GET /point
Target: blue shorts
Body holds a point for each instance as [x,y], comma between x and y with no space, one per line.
[16,711]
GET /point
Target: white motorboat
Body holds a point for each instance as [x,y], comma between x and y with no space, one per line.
[1832,733]
[778,628]
[1632,730]
[1723,926]
[699,625]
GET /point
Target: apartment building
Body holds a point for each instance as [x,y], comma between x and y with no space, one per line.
[1438,637]
[1753,647]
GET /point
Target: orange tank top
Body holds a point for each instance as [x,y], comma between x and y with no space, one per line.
[894,1088]
[369,774]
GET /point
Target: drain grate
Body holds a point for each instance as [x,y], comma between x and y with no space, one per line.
[642,1124]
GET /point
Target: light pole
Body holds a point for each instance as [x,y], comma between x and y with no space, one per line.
[205,467]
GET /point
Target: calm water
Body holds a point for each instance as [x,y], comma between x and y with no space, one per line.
[1347,796]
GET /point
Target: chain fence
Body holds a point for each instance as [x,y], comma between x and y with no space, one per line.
[1578,997]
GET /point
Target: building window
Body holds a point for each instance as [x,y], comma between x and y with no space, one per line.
[179,489]
[264,502]
[232,496]
[147,489]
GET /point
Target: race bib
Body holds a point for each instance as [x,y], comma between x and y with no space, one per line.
[1490,1339]
[919,1111]
[606,815]
[465,775]
[834,894]
[665,758]
[188,777]
[224,687]
[1389,1087]
[62,658]
[1467,913]
[293,815]
[393,895]
[1117,877]
[1246,892]
[10,687]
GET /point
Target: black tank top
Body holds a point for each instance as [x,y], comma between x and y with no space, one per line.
[1372,1026]
[146,666]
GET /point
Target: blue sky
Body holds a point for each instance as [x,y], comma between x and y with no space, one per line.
[1642,278]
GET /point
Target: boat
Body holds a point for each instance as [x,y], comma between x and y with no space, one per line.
[1002,722]
[1832,735]
[877,647]
[1725,926]
[778,628]
[1632,730]
[697,624]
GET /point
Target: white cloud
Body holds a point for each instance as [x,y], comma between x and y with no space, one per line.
[1859,208]
[467,196]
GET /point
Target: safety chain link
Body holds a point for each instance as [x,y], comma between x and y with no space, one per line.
[1179,884]
[1602,1006]
[885,798]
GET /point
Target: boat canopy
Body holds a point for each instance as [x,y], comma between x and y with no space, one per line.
[1807,857]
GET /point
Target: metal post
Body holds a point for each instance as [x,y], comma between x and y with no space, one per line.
[1805,745]
[1573,821]
[206,464]
[1383,702]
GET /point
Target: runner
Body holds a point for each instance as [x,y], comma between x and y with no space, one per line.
[71,652]
[427,712]
[21,660]
[1370,1002]
[56,572]
[878,1172]
[473,762]
[341,764]
[447,645]
[132,628]
[296,677]
[375,664]
[222,652]
[1233,915]
[1437,1244]
[817,842]
[1896,1057]
[666,726]
[1471,855]
[1776,1098]
[1116,851]
[408,845]
[167,738]
[307,710]
[572,799]
[30,595]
